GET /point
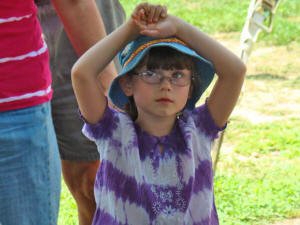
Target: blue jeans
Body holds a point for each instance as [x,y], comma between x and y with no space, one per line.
[30,172]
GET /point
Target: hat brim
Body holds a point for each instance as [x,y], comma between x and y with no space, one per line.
[204,68]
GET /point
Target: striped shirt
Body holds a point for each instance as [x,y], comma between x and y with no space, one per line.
[25,78]
[138,185]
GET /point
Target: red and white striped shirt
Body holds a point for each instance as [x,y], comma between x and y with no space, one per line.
[25,77]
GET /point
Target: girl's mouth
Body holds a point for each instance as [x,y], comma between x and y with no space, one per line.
[164,100]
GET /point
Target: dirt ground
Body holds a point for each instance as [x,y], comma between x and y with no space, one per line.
[288,222]
[275,62]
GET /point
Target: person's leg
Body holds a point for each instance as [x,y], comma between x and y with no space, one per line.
[79,156]
[29,167]
[79,177]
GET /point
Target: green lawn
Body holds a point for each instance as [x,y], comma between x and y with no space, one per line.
[257,179]
[67,212]
[214,16]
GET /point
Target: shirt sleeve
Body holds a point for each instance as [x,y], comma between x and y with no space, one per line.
[104,128]
[204,122]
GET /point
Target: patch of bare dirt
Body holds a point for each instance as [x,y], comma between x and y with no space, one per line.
[265,96]
[281,61]
[288,222]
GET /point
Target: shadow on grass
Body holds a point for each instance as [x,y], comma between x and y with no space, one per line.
[265,76]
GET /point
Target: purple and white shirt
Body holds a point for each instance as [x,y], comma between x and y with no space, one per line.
[138,185]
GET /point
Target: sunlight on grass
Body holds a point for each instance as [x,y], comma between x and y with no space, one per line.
[257,181]
[282,135]
[215,16]
[257,189]
[68,211]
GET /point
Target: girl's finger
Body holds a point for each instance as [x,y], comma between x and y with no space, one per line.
[150,14]
[157,13]
[164,12]
[144,7]
[150,33]
[140,24]
[149,28]
[141,14]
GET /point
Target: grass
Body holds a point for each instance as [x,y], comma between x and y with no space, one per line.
[260,197]
[264,168]
[68,211]
[257,178]
[258,183]
[216,16]
[265,138]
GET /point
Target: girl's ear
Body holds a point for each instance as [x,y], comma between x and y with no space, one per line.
[125,83]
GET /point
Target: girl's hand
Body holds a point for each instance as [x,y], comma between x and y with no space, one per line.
[146,13]
[153,21]
[163,28]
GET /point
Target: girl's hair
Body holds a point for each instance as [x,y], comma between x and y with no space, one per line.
[162,58]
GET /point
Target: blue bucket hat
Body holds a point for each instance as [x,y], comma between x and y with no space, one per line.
[132,54]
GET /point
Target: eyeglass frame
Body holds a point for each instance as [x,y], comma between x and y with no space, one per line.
[161,78]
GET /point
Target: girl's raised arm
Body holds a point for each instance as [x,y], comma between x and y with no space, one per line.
[89,94]
[229,68]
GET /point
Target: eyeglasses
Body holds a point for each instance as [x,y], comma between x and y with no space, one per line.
[177,78]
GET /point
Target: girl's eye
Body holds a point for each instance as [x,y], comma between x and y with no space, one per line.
[149,73]
[177,75]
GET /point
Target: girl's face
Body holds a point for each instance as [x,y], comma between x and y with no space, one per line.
[160,92]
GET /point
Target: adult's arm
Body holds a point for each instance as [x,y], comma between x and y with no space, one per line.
[84,27]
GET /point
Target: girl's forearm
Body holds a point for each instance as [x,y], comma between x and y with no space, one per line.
[229,68]
[227,64]
[94,61]
[85,72]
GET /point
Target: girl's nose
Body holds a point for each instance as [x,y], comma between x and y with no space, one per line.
[166,84]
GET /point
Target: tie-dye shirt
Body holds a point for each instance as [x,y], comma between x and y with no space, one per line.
[138,185]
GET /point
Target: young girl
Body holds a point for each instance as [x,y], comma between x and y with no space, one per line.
[156,165]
